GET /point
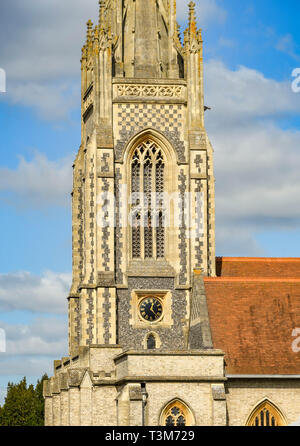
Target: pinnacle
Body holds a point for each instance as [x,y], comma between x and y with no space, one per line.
[101,14]
[192,18]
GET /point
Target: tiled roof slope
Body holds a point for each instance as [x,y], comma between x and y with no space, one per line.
[254,308]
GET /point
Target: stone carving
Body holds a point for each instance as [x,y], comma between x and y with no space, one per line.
[92,221]
[105,229]
[118,231]
[107,315]
[154,91]
[198,222]
[182,237]
[90,319]
[133,118]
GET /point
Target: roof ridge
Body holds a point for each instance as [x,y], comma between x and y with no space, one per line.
[252,279]
[259,259]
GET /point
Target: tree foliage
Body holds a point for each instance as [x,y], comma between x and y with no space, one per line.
[24,404]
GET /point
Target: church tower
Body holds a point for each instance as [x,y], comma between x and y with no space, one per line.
[140,346]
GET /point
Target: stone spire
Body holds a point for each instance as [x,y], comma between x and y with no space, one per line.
[193,49]
[145,38]
[147,58]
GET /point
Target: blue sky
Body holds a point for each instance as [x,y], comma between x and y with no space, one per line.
[251,49]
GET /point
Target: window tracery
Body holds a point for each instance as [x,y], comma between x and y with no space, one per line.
[148,177]
[266,415]
[176,414]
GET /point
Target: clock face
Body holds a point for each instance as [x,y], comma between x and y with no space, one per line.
[151,309]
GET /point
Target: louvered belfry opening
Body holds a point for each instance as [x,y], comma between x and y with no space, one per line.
[151,342]
[147,188]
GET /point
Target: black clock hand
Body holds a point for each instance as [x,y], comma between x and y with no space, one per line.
[151,309]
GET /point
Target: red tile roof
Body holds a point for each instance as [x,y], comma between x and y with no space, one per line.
[257,267]
[254,308]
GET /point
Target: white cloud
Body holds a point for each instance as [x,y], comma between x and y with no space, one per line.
[32,347]
[53,100]
[256,161]
[24,291]
[243,94]
[234,238]
[39,182]
[44,337]
[41,50]
[258,168]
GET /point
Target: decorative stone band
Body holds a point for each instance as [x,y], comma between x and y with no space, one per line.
[152,91]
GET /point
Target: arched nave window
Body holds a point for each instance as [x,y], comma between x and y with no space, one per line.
[267,415]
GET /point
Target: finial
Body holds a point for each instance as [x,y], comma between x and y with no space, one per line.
[192,6]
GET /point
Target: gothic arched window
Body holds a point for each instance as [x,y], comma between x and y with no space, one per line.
[147,189]
[266,415]
[176,414]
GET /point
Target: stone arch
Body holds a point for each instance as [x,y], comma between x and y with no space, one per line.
[156,338]
[266,414]
[169,190]
[176,413]
[157,137]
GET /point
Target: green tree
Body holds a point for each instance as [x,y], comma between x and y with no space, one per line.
[24,405]
[40,402]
